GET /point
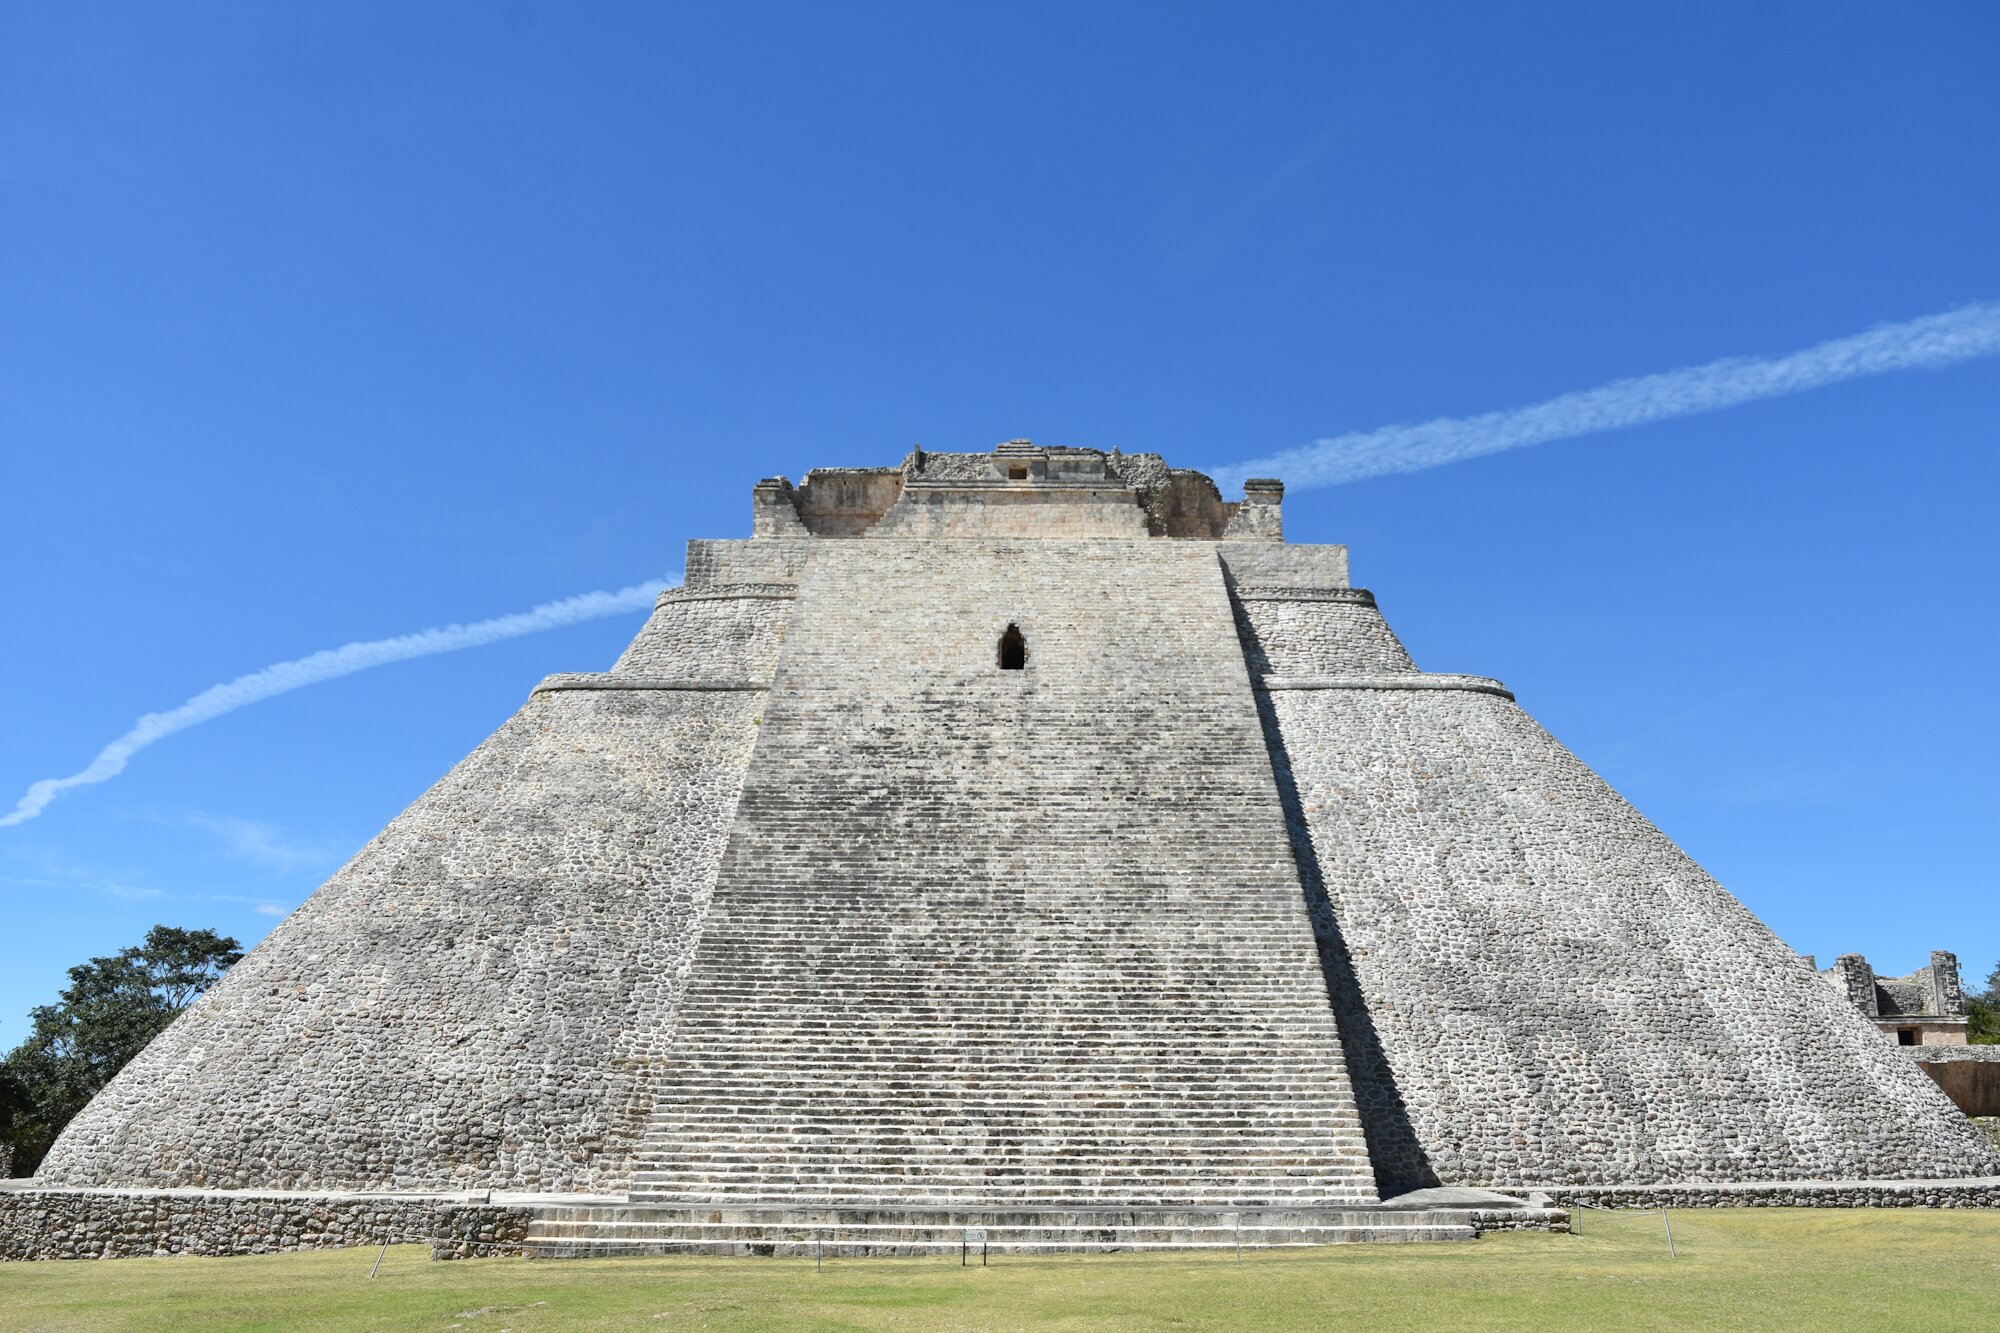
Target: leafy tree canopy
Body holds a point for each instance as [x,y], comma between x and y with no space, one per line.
[1983,1011]
[111,1008]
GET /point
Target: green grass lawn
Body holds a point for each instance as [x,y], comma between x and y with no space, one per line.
[1759,1269]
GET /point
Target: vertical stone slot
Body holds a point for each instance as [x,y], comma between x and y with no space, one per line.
[1013,649]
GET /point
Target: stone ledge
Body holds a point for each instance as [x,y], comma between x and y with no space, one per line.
[606,680]
[1423,681]
[1938,1055]
[1258,592]
[1967,1192]
[731,592]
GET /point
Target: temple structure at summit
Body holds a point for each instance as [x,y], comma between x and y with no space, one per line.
[1024,839]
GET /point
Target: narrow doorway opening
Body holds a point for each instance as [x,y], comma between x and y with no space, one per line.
[1906,1036]
[1013,649]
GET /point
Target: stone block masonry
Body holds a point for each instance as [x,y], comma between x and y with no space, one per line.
[1548,990]
[108,1224]
[1195,901]
[996,937]
[1969,1075]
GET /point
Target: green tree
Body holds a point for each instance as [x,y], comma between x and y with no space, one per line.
[1984,1011]
[111,1008]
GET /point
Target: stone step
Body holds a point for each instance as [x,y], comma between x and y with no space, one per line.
[980,1108]
[994,1039]
[609,1231]
[803,1247]
[976,1106]
[889,1157]
[981,1042]
[1006,1151]
[1055,1121]
[1159,1070]
[947,1173]
[954,1170]
[1026,1089]
[945,1177]
[950,955]
[821,1194]
[1058,1067]
[999,1153]
[971,1215]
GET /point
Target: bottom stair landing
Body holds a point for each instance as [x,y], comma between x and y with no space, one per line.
[616,1230]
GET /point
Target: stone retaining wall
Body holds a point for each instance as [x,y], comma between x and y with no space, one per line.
[1518,1219]
[1976,1193]
[107,1224]
[1969,1075]
[480,1231]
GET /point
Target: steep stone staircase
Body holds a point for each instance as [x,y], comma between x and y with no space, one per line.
[1024,945]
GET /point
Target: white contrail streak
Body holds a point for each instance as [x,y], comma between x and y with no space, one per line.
[1927,343]
[345,661]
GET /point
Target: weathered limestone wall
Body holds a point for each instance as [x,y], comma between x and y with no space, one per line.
[1316,632]
[1926,1008]
[478,998]
[846,502]
[1008,936]
[726,635]
[1976,1193]
[71,1224]
[134,1224]
[1536,986]
[715,565]
[480,1230]
[997,512]
[1969,1075]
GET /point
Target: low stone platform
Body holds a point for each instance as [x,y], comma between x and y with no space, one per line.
[48,1223]
[52,1223]
[632,1230]
[43,1223]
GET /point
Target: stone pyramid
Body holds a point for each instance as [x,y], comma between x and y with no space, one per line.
[1025,829]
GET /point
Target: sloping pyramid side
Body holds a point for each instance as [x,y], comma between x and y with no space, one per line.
[1536,985]
[478,999]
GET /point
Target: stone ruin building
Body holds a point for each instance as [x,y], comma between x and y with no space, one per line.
[1029,841]
[1925,1008]
[1925,1014]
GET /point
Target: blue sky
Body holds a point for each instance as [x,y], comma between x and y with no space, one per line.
[325,323]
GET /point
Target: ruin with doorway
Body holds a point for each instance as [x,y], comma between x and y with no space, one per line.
[1925,1008]
[1030,840]
[1925,1014]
